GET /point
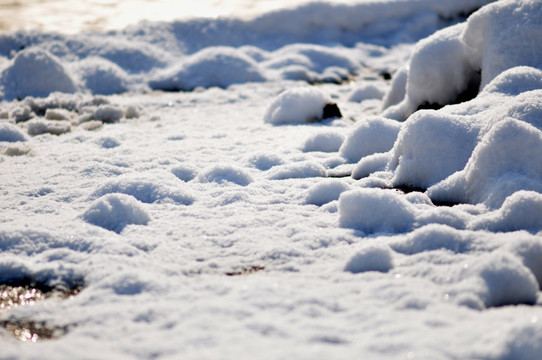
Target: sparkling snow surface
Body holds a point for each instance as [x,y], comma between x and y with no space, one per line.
[179,177]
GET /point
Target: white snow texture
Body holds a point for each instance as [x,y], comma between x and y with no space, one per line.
[183,175]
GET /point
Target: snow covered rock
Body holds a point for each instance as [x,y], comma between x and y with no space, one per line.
[115,211]
[35,72]
[297,106]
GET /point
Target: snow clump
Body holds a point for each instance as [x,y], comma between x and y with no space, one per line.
[297,106]
[216,66]
[371,258]
[115,211]
[35,72]
[10,132]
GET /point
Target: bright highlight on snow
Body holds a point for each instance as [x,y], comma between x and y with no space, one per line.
[332,180]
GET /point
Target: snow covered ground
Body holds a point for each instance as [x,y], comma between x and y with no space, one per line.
[192,184]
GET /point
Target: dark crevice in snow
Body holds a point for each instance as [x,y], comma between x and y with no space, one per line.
[408,189]
[468,94]
[246,270]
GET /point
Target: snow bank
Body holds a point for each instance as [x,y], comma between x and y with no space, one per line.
[445,67]
[196,53]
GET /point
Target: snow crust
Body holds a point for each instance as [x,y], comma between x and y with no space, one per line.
[183,172]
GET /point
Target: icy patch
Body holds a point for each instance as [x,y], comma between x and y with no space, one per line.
[35,72]
[115,211]
[371,258]
[325,191]
[297,106]
[10,132]
[224,174]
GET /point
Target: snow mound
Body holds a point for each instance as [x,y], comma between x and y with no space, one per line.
[433,237]
[369,136]
[325,191]
[145,189]
[264,161]
[430,147]
[506,160]
[370,164]
[10,132]
[371,258]
[216,66]
[375,211]
[445,67]
[101,76]
[520,211]
[108,113]
[184,172]
[115,211]
[366,92]
[495,42]
[41,126]
[328,141]
[224,174]
[297,106]
[529,251]
[35,72]
[306,169]
[505,281]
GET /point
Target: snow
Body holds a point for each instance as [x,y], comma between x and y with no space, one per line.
[298,105]
[185,175]
[115,211]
